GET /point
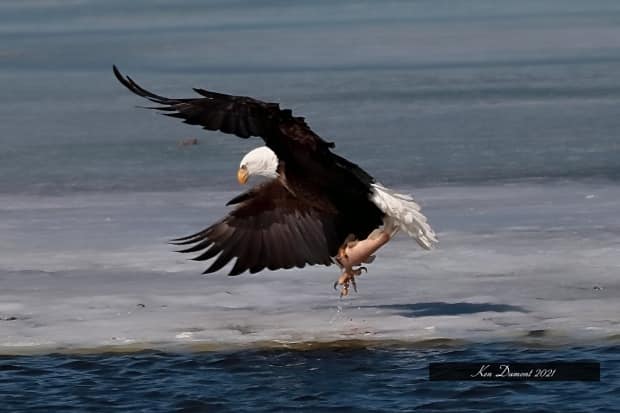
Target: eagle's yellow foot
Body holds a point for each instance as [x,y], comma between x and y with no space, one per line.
[348,278]
[353,253]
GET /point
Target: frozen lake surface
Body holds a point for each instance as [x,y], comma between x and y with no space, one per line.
[500,117]
[516,262]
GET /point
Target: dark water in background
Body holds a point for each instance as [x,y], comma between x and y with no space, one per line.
[347,379]
[417,92]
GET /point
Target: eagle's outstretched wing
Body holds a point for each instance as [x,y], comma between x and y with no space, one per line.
[275,226]
[269,229]
[238,115]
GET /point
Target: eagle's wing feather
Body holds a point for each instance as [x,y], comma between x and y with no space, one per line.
[270,229]
[242,116]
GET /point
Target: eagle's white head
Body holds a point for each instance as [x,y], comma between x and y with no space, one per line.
[261,161]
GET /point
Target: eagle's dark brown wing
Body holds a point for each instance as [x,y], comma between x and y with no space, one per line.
[239,115]
[270,228]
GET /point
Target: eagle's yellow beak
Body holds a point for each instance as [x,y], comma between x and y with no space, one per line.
[242,175]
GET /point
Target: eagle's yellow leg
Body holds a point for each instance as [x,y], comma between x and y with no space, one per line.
[352,254]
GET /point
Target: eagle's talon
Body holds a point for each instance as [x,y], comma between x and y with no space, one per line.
[347,279]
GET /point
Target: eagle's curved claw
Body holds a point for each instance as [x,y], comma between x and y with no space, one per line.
[348,278]
[354,283]
[353,253]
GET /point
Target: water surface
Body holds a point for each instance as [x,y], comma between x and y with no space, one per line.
[362,378]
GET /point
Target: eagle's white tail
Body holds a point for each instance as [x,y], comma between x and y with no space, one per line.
[404,213]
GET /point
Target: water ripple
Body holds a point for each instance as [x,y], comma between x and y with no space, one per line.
[326,379]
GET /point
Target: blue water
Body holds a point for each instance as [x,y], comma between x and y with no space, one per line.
[351,378]
[419,93]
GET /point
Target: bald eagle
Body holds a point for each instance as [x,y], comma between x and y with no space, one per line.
[315,208]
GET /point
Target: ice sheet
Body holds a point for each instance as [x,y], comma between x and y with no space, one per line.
[535,261]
